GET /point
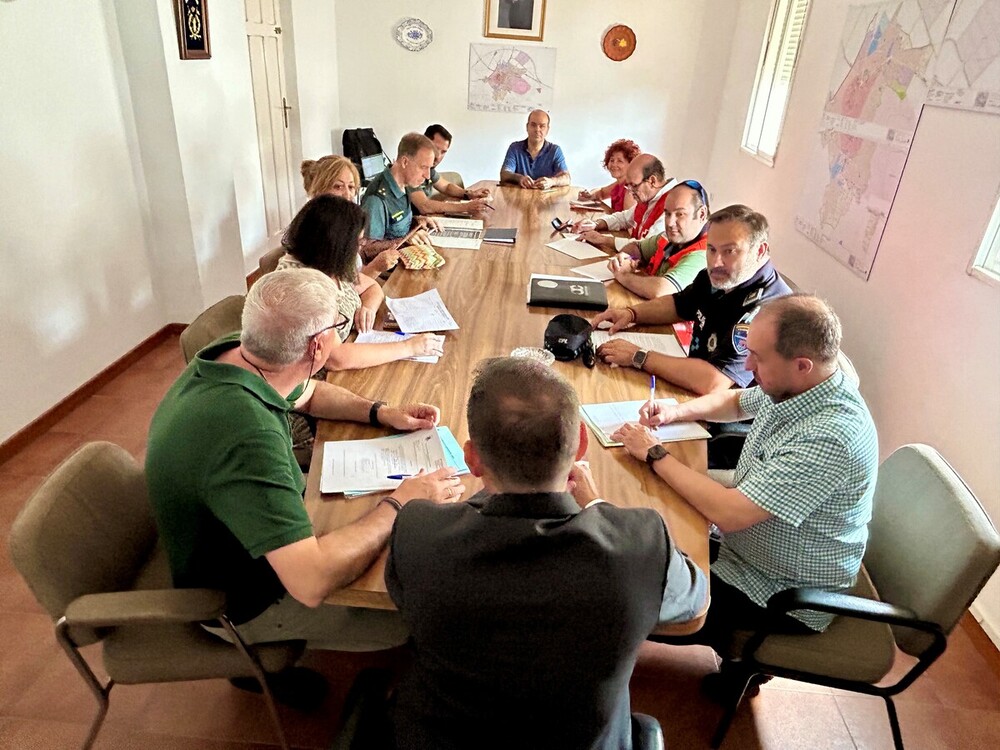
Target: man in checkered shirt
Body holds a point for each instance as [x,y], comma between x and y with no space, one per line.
[799,511]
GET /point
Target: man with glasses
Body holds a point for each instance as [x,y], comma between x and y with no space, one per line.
[721,301]
[646,179]
[669,262]
[227,491]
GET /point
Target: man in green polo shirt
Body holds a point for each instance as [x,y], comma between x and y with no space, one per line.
[798,513]
[227,491]
[385,201]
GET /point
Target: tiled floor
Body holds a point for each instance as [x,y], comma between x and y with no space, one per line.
[44,704]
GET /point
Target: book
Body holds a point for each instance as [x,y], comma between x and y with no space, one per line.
[566,291]
[501,235]
[457,233]
[606,419]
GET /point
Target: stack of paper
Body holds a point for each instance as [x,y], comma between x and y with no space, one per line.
[360,467]
[576,249]
[606,419]
[663,343]
[392,337]
[421,313]
[598,271]
[460,233]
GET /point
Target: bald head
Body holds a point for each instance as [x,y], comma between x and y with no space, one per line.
[804,326]
[643,167]
[538,127]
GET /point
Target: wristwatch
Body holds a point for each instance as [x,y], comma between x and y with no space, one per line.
[373,413]
[655,453]
[639,358]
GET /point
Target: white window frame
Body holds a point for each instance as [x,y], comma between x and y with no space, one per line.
[776,66]
[986,264]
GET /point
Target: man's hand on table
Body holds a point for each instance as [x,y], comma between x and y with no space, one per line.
[420,237]
[582,226]
[636,438]
[620,318]
[617,352]
[477,205]
[622,263]
[581,484]
[427,222]
[479,194]
[441,486]
[526,182]
[409,417]
[544,183]
[597,239]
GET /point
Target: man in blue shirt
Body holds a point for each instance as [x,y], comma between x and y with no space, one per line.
[535,163]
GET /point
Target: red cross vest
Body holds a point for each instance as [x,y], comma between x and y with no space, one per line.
[653,267]
[645,216]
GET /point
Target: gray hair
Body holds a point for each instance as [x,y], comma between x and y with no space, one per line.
[804,326]
[284,310]
[754,222]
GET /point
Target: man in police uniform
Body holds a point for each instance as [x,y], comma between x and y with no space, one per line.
[722,301]
[470,201]
[385,202]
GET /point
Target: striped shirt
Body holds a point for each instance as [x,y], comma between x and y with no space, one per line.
[811,462]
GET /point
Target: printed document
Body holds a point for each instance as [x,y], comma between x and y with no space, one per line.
[392,337]
[606,419]
[663,343]
[459,233]
[421,313]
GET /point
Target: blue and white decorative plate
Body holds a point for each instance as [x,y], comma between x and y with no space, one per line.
[413,34]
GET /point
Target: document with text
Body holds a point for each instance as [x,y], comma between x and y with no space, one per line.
[421,313]
[393,337]
[606,419]
[664,343]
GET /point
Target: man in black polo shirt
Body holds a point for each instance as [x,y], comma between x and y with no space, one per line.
[721,301]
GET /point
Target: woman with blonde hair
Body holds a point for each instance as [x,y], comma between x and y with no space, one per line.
[616,160]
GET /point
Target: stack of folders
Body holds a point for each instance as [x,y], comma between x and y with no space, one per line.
[361,467]
[605,420]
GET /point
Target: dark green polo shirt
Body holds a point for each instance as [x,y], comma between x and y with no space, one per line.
[223,482]
[387,207]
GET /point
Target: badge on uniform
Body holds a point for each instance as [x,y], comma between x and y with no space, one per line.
[713,341]
[753,297]
[742,329]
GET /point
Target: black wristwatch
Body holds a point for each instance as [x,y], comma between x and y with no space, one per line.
[655,453]
[373,413]
[465,195]
[639,358]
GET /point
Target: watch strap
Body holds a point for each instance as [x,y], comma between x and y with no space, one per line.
[373,413]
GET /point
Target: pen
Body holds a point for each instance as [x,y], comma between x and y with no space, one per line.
[398,476]
[652,388]
[487,205]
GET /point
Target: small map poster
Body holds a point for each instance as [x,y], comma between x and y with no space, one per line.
[510,78]
[895,58]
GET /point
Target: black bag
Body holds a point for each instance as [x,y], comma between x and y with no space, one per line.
[568,337]
[359,143]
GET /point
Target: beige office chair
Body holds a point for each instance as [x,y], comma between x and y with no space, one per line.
[86,543]
[931,549]
[453,177]
[225,316]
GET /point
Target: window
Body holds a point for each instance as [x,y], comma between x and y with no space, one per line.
[775,70]
[987,263]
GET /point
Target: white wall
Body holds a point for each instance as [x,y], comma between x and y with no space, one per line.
[663,97]
[923,333]
[76,290]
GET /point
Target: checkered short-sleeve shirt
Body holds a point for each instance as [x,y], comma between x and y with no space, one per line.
[811,462]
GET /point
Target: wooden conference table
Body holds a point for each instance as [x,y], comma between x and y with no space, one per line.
[485,291]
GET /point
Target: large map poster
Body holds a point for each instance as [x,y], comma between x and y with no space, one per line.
[894,58]
[510,78]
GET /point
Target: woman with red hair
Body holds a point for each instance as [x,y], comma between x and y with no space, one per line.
[616,159]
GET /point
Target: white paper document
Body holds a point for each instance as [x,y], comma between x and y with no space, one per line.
[392,337]
[453,457]
[459,233]
[422,313]
[350,465]
[598,271]
[664,343]
[576,249]
[606,419]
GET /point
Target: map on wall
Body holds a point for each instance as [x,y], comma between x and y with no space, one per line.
[510,78]
[894,58]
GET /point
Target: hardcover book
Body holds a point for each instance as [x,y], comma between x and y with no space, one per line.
[566,291]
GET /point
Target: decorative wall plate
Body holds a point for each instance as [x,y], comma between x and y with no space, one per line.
[413,34]
[619,43]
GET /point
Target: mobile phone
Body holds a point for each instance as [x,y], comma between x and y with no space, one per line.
[559,225]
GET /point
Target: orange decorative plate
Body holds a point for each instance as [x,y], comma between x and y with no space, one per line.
[619,43]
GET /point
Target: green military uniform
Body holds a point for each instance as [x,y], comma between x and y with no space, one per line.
[388,208]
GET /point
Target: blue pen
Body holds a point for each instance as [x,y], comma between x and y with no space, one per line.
[398,476]
[652,388]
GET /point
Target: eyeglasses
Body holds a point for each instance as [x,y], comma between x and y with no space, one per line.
[342,322]
[702,193]
[634,189]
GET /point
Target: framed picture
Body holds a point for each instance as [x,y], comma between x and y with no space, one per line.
[192,29]
[514,19]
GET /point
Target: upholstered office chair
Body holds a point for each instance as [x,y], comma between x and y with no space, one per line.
[453,177]
[225,316]
[931,549]
[86,543]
